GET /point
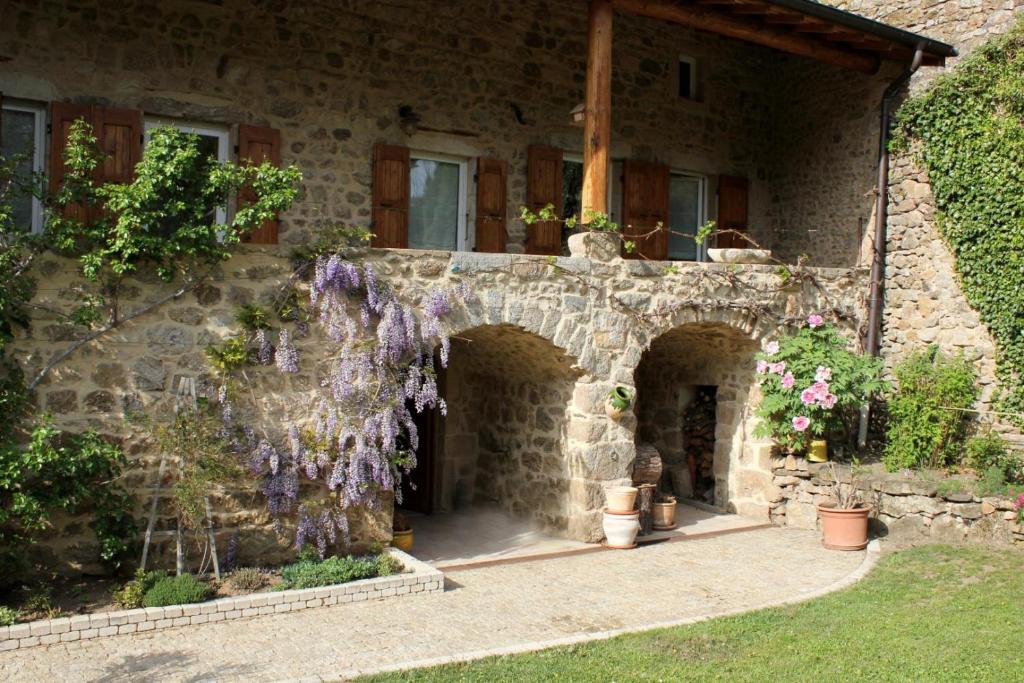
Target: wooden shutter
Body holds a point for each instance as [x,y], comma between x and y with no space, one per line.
[732,211]
[644,205]
[62,115]
[257,144]
[544,187]
[491,204]
[390,215]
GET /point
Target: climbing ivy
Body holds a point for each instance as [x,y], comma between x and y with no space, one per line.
[967,130]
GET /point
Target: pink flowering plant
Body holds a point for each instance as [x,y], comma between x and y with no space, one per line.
[812,384]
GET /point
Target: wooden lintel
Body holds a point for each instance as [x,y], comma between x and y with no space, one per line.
[597,124]
[707,19]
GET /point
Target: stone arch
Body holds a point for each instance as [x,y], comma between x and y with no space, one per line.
[707,360]
[508,393]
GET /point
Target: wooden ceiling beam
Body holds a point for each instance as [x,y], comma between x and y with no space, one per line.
[731,26]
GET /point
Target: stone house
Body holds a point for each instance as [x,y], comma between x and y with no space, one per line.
[434,123]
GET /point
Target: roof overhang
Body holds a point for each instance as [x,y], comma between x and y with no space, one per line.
[801,27]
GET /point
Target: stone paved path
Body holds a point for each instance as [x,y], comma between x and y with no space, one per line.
[501,607]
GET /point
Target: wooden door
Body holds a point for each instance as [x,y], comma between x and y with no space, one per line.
[732,211]
[257,144]
[644,205]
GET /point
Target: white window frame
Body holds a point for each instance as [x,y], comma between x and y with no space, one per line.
[702,204]
[38,149]
[614,169]
[213,130]
[462,241]
[692,61]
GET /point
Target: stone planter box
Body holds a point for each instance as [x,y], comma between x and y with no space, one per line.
[419,577]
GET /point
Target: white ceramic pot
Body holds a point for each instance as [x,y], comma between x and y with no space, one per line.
[621,499]
[740,255]
[620,529]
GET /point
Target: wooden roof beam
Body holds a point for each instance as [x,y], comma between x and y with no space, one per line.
[731,26]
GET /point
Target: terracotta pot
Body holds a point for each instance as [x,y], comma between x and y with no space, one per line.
[621,499]
[844,529]
[664,516]
[620,529]
[613,412]
[818,452]
[402,540]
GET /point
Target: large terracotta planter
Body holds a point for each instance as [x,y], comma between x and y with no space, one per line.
[621,499]
[402,540]
[664,516]
[844,529]
[620,529]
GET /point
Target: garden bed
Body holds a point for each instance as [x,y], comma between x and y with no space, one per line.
[416,577]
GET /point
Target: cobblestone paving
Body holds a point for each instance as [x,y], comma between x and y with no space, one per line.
[505,606]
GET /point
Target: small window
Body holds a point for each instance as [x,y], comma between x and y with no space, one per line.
[213,142]
[23,134]
[437,202]
[687,77]
[685,216]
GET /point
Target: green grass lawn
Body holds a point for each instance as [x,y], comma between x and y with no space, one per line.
[933,613]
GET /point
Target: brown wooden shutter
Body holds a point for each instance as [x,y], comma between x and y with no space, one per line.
[390,215]
[119,134]
[544,187]
[732,211]
[491,204]
[644,205]
[257,144]
[62,115]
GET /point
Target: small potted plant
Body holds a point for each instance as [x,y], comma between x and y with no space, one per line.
[844,519]
[401,536]
[812,388]
[619,400]
[664,511]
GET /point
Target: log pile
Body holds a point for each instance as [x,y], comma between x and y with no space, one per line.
[699,444]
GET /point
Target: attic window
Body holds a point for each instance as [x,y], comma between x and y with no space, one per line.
[687,77]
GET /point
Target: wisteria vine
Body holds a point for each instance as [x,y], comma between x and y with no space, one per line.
[364,438]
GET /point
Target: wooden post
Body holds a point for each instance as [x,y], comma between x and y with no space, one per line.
[597,126]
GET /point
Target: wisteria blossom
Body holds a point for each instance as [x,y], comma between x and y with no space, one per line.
[286,357]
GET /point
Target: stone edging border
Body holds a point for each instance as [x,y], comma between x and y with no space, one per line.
[867,564]
[421,579]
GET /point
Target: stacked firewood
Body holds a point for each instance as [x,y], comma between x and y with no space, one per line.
[699,444]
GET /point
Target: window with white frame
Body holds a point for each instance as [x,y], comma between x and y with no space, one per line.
[437,202]
[23,135]
[572,186]
[213,143]
[685,216]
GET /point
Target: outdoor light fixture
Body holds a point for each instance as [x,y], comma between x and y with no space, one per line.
[578,114]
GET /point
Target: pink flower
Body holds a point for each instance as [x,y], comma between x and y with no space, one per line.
[1019,503]
[801,423]
[820,390]
[771,348]
[808,397]
[778,368]
[762,367]
[815,320]
[788,380]
[823,374]
[829,401]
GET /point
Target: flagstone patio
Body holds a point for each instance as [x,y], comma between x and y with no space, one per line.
[508,607]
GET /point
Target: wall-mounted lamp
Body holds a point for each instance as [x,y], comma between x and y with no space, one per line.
[578,114]
[408,120]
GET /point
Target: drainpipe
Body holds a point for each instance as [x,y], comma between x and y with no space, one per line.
[872,344]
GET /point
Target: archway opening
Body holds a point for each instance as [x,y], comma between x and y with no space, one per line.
[693,384]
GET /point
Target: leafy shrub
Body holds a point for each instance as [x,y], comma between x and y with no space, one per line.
[61,472]
[177,590]
[7,616]
[130,595]
[991,450]
[812,385]
[248,579]
[310,573]
[929,411]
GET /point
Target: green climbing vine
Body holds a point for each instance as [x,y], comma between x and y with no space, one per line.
[968,130]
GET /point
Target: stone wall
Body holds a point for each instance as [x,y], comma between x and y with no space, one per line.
[333,76]
[906,507]
[549,340]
